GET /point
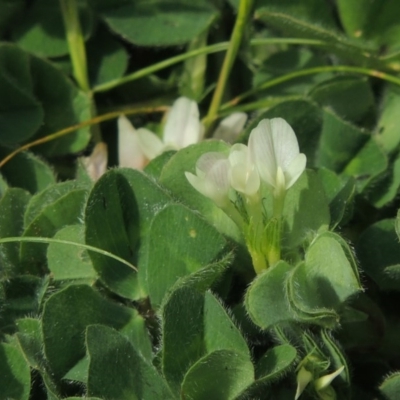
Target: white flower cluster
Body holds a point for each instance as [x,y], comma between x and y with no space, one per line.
[136,147]
[272,156]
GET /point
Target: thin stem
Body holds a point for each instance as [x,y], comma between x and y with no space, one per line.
[230,210]
[272,235]
[245,7]
[73,128]
[76,42]
[254,235]
[67,242]
[215,48]
[311,71]
[260,104]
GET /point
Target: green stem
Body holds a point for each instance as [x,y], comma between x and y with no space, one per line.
[254,234]
[215,48]
[230,210]
[245,7]
[260,104]
[76,42]
[66,242]
[311,71]
[273,233]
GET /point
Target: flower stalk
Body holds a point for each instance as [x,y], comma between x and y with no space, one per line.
[245,7]
[76,43]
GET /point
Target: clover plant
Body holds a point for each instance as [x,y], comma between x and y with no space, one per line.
[199,199]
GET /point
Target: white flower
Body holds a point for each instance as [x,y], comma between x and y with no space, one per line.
[323,382]
[274,148]
[230,127]
[129,152]
[96,163]
[212,177]
[321,385]
[243,174]
[304,377]
[182,128]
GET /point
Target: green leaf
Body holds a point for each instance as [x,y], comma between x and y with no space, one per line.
[68,262]
[387,133]
[220,333]
[47,197]
[67,210]
[107,58]
[318,287]
[117,371]
[196,244]
[373,21]
[173,177]
[15,378]
[378,250]
[156,165]
[12,207]
[79,306]
[276,362]
[9,9]
[305,210]
[340,192]
[160,22]
[354,15]
[79,372]
[23,296]
[204,278]
[273,365]
[348,96]
[201,325]
[118,215]
[182,328]
[41,29]
[221,375]
[385,187]
[30,105]
[21,113]
[28,172]
[368,163]
[307,19]
[63,107]
[266,301]
[284,62]
[390,387]
[30,339]
[339,143]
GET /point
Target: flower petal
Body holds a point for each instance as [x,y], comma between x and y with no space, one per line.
[183,126]
[243,175]
[207,161]
[262,151]
[96,163]
[214,183]
[197,182]
[230,127]
[286,147]
[304,377]
[326,380]
[239,154]
[150,144]
[295,169]
[130,153]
